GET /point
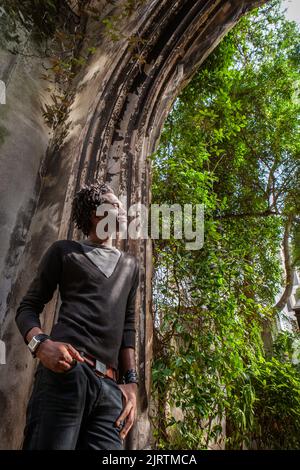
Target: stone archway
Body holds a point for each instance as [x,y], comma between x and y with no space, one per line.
[116,118]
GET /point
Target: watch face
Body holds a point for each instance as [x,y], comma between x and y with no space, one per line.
[33,344]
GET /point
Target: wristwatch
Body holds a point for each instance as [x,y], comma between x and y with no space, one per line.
[36,341]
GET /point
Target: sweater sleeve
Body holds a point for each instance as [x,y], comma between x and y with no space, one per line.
[40,291]
[129,332]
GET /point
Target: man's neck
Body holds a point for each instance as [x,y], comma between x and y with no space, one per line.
[97,241]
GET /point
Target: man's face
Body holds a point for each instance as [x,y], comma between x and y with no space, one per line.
[116,210]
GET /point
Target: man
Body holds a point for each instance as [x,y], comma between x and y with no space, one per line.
[77,401]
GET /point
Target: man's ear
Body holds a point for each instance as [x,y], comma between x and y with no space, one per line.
[94,218]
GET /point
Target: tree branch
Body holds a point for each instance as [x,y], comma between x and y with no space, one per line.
[289,270]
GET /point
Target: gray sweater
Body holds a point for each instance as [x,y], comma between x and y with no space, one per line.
[97,313]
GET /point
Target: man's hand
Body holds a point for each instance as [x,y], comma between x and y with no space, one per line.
[57,356]
[129,411]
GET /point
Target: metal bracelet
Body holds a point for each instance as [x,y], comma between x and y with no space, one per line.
[130,377]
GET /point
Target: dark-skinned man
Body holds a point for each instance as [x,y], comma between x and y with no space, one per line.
[78,401]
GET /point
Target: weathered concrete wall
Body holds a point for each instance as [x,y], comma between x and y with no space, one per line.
[115,122]
[23,144]
[24,139]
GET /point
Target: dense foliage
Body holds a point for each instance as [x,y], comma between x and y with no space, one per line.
[231,142]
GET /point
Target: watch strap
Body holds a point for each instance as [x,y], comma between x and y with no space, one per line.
[39,339]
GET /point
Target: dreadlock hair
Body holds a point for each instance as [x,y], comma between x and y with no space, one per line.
[86,200]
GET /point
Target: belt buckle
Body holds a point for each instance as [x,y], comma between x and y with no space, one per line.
[100,367]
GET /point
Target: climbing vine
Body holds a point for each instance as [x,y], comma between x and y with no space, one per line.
[63,44]
[56,33]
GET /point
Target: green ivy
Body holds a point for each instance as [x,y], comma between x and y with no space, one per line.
[231,142]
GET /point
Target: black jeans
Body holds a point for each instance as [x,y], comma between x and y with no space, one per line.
[73,410]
